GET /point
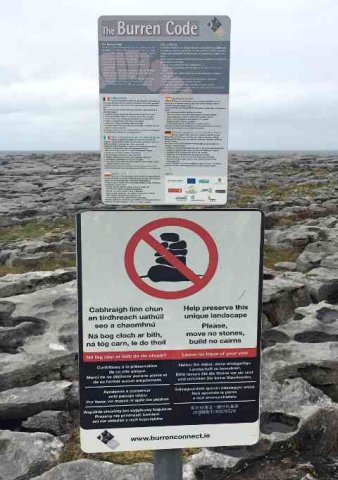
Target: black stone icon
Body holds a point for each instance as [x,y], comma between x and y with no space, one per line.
[164,271]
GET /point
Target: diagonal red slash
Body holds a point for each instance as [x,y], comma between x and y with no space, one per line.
[186,271]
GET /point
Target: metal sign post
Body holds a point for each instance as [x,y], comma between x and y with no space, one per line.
[169,300]
[168,464]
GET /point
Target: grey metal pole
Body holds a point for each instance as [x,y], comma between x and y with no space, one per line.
[168,464]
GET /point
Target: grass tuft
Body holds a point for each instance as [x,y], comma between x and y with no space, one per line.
[273,255]
[47,265]
[247,194]
[35,229]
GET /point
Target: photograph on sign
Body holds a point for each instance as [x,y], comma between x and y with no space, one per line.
[169,327]
[164,87]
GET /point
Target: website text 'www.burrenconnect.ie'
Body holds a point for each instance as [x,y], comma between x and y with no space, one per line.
[153,438]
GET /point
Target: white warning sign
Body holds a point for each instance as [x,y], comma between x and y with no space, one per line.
[169,314]
[164,87]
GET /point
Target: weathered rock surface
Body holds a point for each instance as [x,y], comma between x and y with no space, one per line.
[295,416]
[17,284]
[286,266]
[300,235]
[26,455]
[90,469]
[321,283]
[50,353]
[32,253]
[298,399]
[331,261]
[314,254]
[50,186]
[49,421]
[281,297]
[22,402]
[38,327]
[279,466]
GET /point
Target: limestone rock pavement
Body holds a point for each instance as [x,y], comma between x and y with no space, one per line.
[89,469]
[38,319]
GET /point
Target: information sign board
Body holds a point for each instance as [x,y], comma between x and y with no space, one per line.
[169,315]
[164,85]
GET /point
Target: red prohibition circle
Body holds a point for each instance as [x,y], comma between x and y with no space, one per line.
[143,234]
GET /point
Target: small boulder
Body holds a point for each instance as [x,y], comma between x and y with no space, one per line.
[331,261]
[22,402]
[26,455]
[49,421]
[16,284]
[281,297]
[92,469]
[286,266]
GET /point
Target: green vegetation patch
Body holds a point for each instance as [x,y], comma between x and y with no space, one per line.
[320,172]
[285,221]
[273,255]
[35,229]
[46,265]
[247,194]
